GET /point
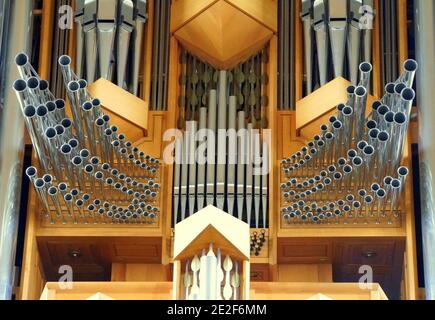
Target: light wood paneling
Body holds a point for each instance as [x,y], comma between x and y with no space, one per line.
[223,35]
[134,272]
[305,273]
[264,11]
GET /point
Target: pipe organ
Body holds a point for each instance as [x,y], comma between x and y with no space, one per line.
[215,149]
[224,112]
[91,174]
[350,173]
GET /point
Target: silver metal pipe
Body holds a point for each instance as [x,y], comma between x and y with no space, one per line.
[79,19]
[88,116]
[306,17]
[399,136]
[106,28]
[381,159]
[124,34]
[410,67]
[41,191]
[365,70]
[354,39]
[90,32]
[141,18]
[360,110]
[320,29]
[67,73]
[347,127]
[32,174]
[337,22]
[53,194]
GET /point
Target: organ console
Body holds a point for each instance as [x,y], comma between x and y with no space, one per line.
[202,147]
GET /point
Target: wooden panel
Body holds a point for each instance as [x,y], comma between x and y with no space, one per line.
[264,11]
[95,254]
[121,102]
[114,290]
[182,11]
[305,273]
[306,290]
[223,35]
[260,272]
[134,272]
[304,251]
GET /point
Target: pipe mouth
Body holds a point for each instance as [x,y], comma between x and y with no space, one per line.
[396,184]
[99,122]
[341,162]
[83,83]
[109,181]
[95,161]
[59,129]
[340,107]
[362,192]
[323,127]
[403,171]
[60,103]
[371,124]
[351,153]
[327,181]
[84,153]
[389,117]
[20,85]
[64,60]
[106,118]
[52,191]
[87,106]
[337,212]
[73,143]
[337,124]
[99,175]
[374,133]
[365,67]
[73,86]
[114,129]
[383,109]
[347,111]
[50,133]
[408,94]
[383,136]
[41,111]
[368,199]
[31,172]
[387,180]
[347,169]
[400,118]
[338,176]
[47,178]
[91,207]
[77,161]
[86,197]
[108,132]
[332,119]
[89,168]
[29,111]
[323,174]
[121,137]
[360,91]
[51,106]
[368,151]
[399,87]
[43,85]
[350,89]
[39,183]
[21,59]
[68,197]
[362,144]
[65,149]
[33,83]
[410,65]
[356,204]
[79,203]
[332,169]
[105,167]
[62,186]
[350,197]
[357,161]
[66,123]
[375,187]
[376,104]
[114,172]
[346,208]
[389,87]
[381,193]
[75,192]
[303,149]
[96,102]
[313,151]
[320,144]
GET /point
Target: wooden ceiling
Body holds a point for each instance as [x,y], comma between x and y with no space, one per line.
[223,32]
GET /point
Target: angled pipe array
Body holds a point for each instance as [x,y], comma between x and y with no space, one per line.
[351,173]
[93,175]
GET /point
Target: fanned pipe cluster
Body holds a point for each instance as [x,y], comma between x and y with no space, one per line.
[339,34]
[221,160]
[99,23]
[351,170]
[92,174]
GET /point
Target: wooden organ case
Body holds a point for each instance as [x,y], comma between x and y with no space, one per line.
[209,40]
